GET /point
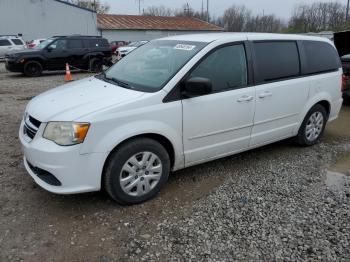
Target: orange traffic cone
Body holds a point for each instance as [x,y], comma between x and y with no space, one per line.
[68,74]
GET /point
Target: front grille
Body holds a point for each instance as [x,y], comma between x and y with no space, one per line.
[31,126]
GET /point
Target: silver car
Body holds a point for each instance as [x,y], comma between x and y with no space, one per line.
[9,43]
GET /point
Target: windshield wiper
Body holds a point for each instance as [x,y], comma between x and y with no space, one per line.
[114,80]
[121,83]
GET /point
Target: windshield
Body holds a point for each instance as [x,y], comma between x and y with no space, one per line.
[44,43]
[151,66]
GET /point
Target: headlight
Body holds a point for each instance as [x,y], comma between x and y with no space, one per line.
[66,133]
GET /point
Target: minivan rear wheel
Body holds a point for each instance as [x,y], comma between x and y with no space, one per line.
[312,128]
[136,171]
[32,68]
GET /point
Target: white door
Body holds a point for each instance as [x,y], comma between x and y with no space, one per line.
[220,123]
[280,93]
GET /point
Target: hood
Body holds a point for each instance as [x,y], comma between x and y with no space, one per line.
[23,51]
[76,99]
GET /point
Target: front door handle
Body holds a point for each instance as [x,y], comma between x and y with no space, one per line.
[265,94]
[245,98]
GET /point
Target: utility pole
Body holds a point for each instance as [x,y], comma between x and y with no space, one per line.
[139,2]
[208,11]
[347,12]
[187,9]
[202,13]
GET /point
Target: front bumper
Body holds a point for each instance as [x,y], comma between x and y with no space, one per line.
[13,66]
[76,173]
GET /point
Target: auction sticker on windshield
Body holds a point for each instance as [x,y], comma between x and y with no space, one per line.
[184,47]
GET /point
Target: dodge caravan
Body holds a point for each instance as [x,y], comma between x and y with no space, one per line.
[177,102]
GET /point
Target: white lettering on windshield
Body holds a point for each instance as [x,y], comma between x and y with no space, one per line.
[184,47]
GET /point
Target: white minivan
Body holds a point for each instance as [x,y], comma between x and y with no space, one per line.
[177,102]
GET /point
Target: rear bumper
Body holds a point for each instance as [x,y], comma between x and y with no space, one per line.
[346,94]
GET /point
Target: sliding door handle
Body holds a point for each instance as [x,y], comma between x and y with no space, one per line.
[245,99]
[265,94]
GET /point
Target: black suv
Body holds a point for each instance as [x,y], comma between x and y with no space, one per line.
[83,52]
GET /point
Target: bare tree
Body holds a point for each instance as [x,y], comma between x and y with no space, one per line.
[265,23]
[318,17]
[158,11]
[235,18]
[240,19]
[96,5]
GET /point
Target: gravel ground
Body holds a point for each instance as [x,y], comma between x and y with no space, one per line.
[279,202]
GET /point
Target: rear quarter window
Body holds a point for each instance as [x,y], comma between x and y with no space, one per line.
[99,42]
[276,60]
[75,44]
[17,41]
[320,57]
[5,42]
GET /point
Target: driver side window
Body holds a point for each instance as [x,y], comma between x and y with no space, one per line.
[225,67]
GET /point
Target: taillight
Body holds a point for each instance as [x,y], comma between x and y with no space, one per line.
[31,45]
[344,82]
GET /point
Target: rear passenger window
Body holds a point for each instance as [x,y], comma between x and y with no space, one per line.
[75,44]
[320,57]
[4,42]
[276,61]
[99,42]
[225,67]
[17,41]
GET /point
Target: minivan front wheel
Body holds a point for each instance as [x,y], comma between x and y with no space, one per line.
[136,171]
[313,126]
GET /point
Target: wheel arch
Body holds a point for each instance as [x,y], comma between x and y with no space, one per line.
[322,99]
[164,141]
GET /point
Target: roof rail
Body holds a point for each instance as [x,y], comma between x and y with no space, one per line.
[10,35]
[92,36]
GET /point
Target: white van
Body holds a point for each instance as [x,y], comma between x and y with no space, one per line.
[178,102]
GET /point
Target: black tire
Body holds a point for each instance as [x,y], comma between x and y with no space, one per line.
[96,65]
[302,138]
[113,171]
[32,68]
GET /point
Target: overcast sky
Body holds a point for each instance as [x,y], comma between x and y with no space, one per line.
[281,8]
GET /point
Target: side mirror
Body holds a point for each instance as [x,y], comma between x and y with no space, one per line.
[49,49]
[197,86]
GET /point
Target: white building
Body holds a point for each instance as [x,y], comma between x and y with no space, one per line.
[134,28]
[44,18]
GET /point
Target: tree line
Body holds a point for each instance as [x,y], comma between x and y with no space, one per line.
[315,17]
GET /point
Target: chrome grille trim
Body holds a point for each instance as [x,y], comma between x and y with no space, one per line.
[31,126]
